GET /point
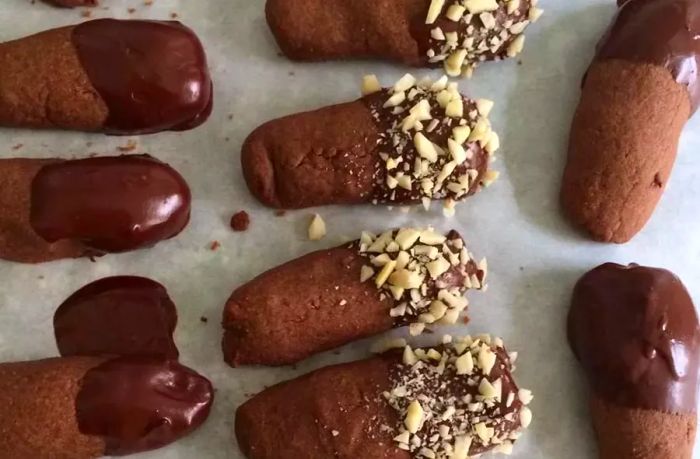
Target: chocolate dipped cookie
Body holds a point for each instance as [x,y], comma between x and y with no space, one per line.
[325,299]
[88,407]
[454,34]
[456,400]
[52,209]
[106,75]
[635,332]
[415,142]
[636,98]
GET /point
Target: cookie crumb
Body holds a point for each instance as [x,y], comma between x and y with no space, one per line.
[174,15]
[86,13]
[131,10]
[280,213]
[214,246]
[240,221]
[18,146]
[203,319]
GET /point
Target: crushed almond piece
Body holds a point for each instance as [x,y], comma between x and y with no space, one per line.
[317,228]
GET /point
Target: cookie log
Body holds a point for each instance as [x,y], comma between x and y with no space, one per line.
[418,141]
[52,209]
[331,297]
[412,32]
[85,407]
[106,75]
[635,331]
[637,95]
[349,411]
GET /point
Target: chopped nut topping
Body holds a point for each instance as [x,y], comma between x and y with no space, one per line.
[435,145]
[448,412]
[370,85]
[426,273]
[317,228]
[465,33]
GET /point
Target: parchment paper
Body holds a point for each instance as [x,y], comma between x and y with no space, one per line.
[534,256]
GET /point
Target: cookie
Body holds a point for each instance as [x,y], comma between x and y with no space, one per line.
[415,142]
[456,400]
[635,332]
[637,96]
[112,76]
[52,209]
[422,33]
[88,407]
[328,298]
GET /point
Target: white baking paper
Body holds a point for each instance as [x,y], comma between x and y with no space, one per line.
[534,256]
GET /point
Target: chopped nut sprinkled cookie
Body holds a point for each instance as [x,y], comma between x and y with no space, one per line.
[426,273]
[412,143]
[454,34]
[406,277]
[456,400]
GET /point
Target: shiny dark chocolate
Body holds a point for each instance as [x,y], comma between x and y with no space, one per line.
[110,204]
[152,75]
[661,32]
[123,315]
[138,403]
[635,331]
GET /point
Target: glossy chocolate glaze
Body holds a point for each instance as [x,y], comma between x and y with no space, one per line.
[152,75]
[110,204]
[661,32]
[139,403]
[123,315]
[635,331]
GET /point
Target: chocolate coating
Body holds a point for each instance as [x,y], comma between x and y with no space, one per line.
[635,331]
[661,32]
[137,404]
[123,315]
[152,75]
[111,204]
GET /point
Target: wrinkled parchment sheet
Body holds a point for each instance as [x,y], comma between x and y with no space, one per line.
[534,256]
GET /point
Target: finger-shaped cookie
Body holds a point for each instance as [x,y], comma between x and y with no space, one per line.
[635,331]
[106,75]
[455,400]
[332,297]
[416,141]
[456,34]
[52,209]
[637,96]
[122,315]
[87,407]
